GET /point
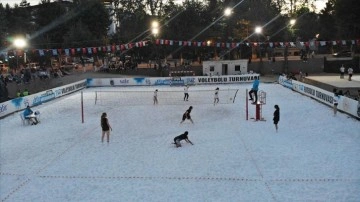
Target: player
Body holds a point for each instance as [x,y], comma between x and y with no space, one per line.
[186,93]
[276,118]
[105,126]
[186,115]
[155,97]
[254,90]
[183,136]
[216,96]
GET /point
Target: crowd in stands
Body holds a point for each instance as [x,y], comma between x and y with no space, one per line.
[25,76]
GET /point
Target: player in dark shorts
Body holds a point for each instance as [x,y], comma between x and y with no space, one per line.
[276,118]
[183,136]
[187,115]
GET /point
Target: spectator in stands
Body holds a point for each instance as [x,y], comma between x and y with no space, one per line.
[350,72]
[29,114]
[254,90]
[19,94]
[25,92]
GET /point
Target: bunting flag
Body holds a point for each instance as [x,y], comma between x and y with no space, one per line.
[41,52]
[228,45]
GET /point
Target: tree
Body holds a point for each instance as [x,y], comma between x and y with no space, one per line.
[347,15]
[79,35]
[94,15]
[327,30]
[3,27]
[51,19]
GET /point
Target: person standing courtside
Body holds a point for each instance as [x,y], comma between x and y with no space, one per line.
[342,71]
[105,126]
[350,72]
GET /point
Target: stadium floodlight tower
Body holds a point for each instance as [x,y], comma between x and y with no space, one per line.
[19,43]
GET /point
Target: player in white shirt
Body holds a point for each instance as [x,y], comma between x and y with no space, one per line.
[186,93]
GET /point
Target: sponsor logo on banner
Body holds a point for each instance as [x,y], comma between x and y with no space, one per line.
[163,82]
[285,82]
[139,81]
[176,81]
[47,96]
[124,81]
[3,108]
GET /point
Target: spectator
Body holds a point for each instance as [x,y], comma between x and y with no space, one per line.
[19,94]
[342,71]
[25,92]
[350,72]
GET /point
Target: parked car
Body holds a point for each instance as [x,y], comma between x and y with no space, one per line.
[88,60]
[344,53]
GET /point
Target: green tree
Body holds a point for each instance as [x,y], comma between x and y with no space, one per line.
[3,28]
[326,22]
[94,15]
[347,15]
[79,35]
[51,19]
[307,24]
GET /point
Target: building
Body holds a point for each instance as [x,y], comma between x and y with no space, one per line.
[225,67]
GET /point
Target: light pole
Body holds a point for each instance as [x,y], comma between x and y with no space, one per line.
[19,43]
[227,13]
[258,31]
[292,22]
[155,30]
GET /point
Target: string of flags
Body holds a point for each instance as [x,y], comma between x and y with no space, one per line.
[165,42]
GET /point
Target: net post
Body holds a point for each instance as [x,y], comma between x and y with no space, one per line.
[247,105]
[82,107]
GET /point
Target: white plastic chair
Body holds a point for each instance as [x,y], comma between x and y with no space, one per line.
[23,120]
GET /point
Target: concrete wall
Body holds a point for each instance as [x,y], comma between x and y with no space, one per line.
[313,65]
